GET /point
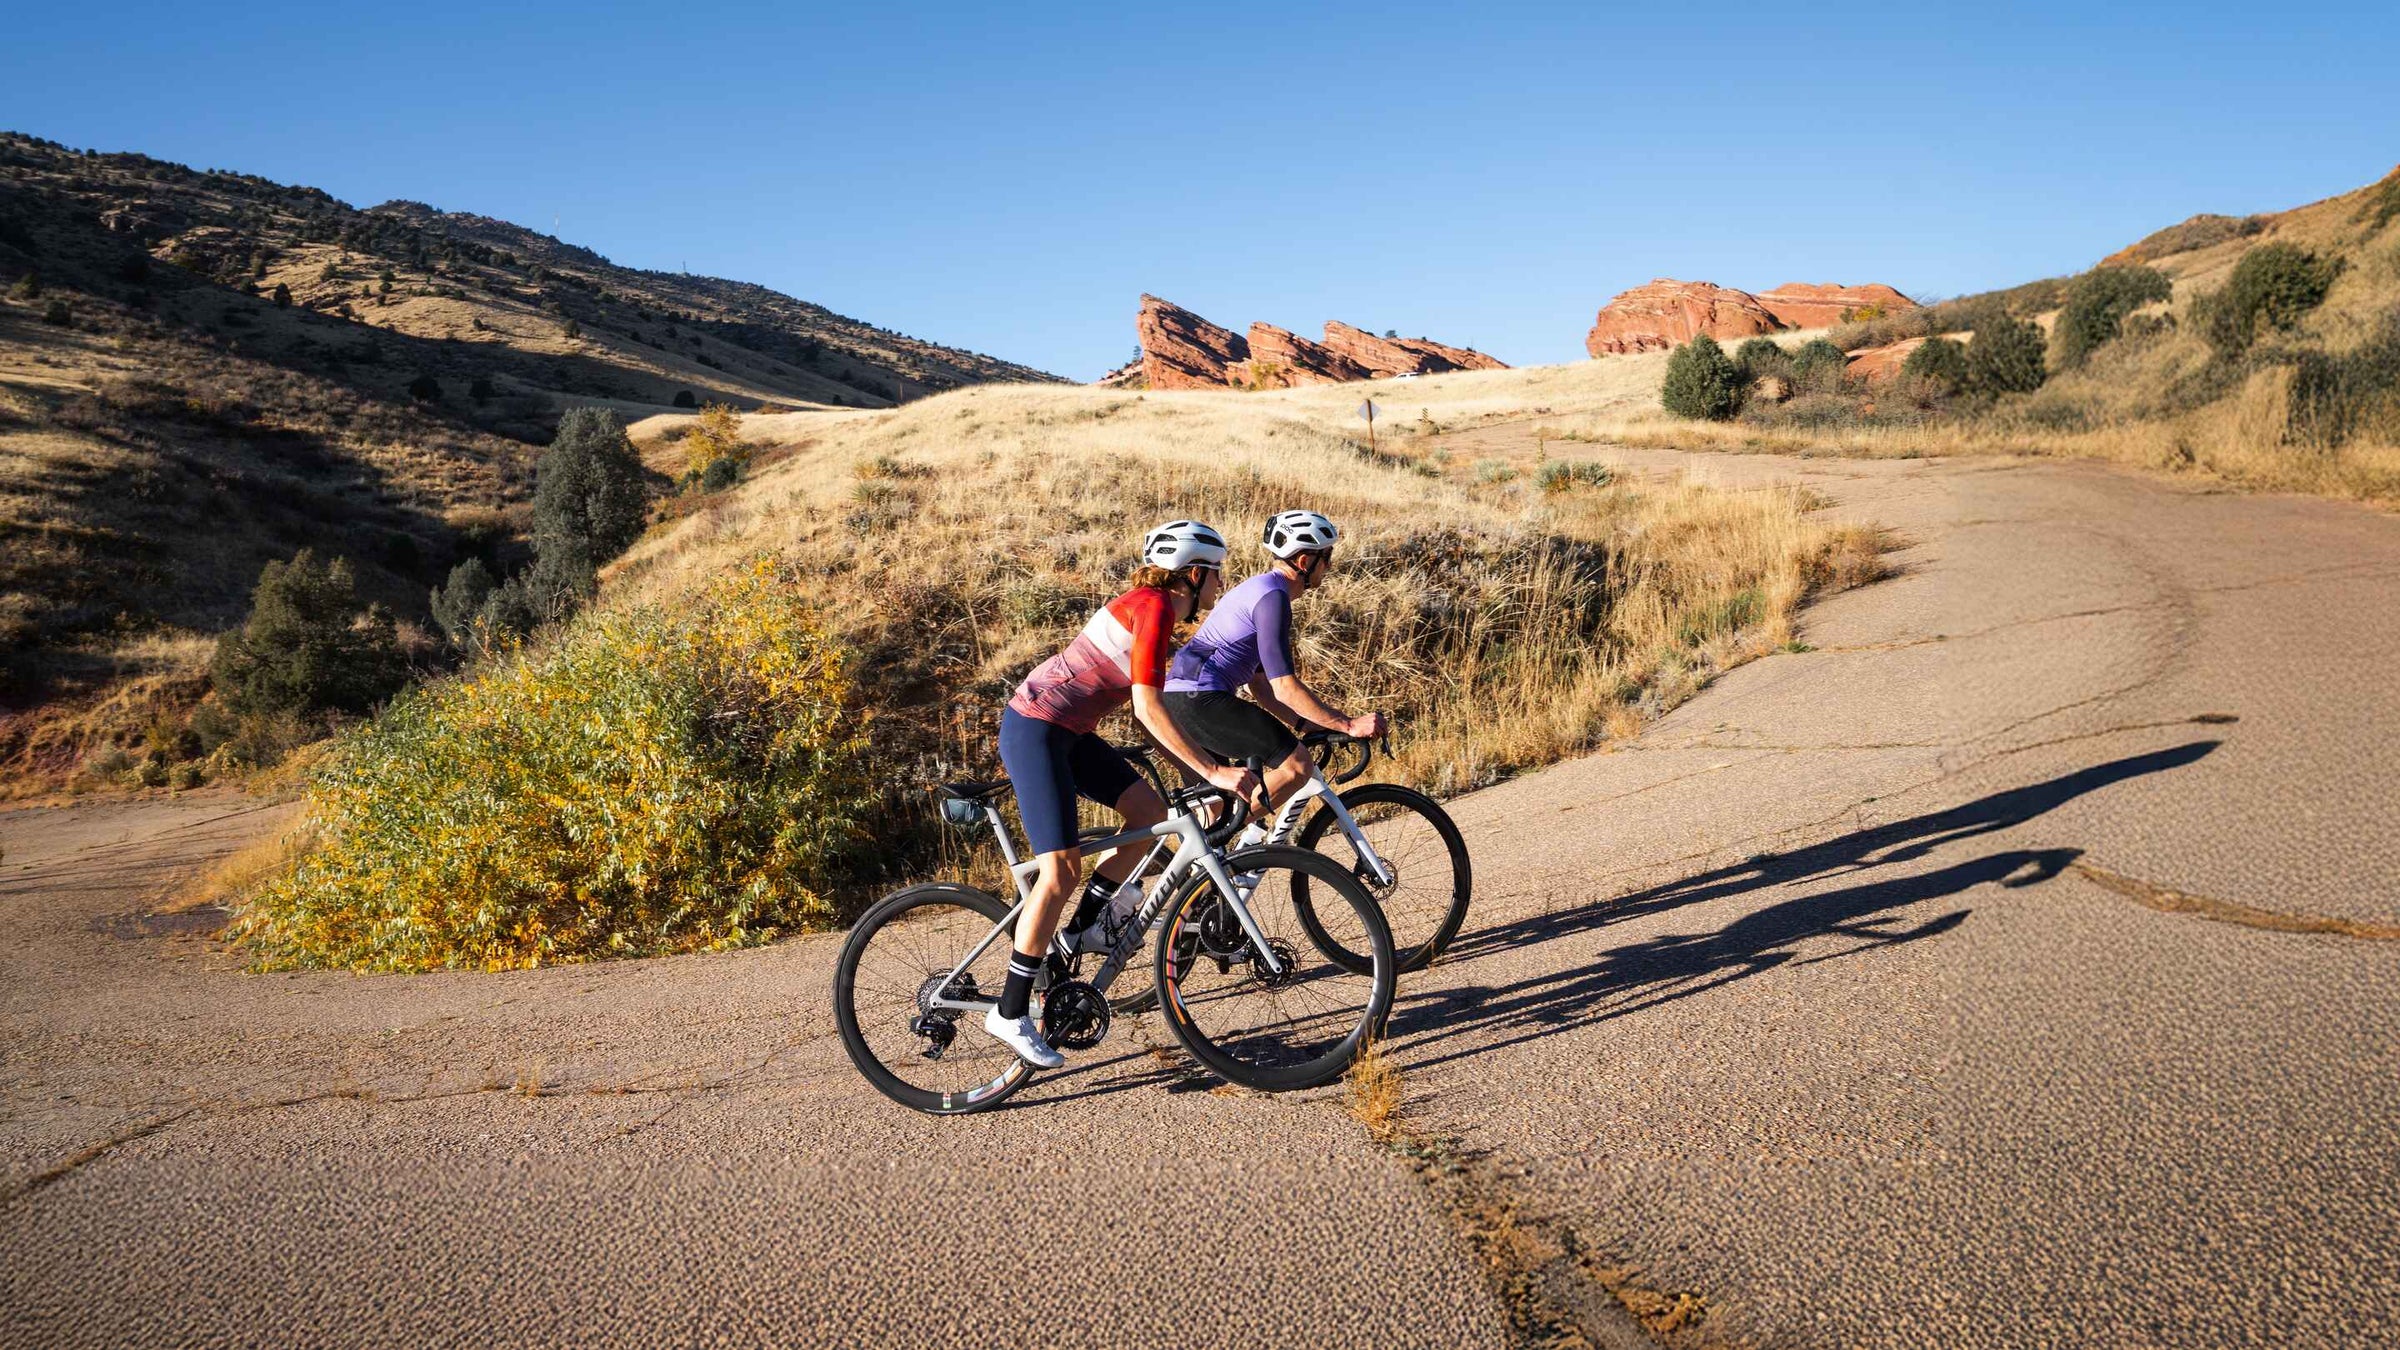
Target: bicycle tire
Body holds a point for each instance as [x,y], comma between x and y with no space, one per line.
[877,1038]
[1423,918]
[1300,1031]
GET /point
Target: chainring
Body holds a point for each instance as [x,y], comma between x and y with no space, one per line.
[1074,1016]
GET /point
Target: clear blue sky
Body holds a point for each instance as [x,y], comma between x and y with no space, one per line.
[1486,175]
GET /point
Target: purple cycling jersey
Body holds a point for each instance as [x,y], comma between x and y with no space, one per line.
[1248,634]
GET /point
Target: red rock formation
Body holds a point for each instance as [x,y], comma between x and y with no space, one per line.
[1800,305]
[1382,357]
[1669,313]
[1281,359]
[1181,350]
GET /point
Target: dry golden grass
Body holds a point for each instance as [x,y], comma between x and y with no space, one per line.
[232,879]
[1372,1091]
[957,541]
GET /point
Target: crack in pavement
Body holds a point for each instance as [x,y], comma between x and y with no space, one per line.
[2167,900]
[350,1090]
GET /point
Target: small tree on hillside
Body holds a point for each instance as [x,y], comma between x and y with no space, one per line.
[716,435]
[1701,381]
[2006,356]
[2097,304]
[283,296]
[589,503]
[307,645]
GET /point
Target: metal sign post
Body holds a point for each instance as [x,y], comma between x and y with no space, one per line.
[1367,411]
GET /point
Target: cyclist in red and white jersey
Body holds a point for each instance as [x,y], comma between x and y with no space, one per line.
[1050,744]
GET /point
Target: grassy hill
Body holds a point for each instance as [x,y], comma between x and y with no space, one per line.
[200,371]
[1509,613]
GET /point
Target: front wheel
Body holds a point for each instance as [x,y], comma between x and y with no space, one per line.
[935,1060]
[1274,1032]
[1432,881]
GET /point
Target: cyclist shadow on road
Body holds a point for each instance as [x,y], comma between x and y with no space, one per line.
[1662,969]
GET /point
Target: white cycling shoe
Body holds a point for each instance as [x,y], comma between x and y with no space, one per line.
[1023,1036]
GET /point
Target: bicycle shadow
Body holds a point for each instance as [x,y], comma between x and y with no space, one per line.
[1662,969]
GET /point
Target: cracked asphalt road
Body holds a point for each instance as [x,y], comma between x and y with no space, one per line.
[1808,1002]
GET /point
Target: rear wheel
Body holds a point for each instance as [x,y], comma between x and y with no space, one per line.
[939,1061]
[1274,1032]
[1431,878]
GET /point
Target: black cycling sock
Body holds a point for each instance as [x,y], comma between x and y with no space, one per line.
[1098,893]
[1017,994]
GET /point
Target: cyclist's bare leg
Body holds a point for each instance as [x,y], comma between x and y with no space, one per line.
[1060,873]
[1142,809]
[1286,778]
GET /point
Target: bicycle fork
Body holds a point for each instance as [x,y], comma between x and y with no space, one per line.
[1288,819]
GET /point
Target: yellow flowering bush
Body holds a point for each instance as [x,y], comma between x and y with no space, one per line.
[652,782]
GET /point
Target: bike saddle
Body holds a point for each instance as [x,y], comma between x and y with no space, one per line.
[974,789]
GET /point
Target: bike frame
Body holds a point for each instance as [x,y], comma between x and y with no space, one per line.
[1288,819]
[1192,849]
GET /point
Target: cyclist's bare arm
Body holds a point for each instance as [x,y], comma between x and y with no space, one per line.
[1288,698]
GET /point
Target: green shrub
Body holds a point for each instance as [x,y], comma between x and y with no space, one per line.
[282,296]
[2337,398]
[28,287]
[456,602]
[1701,381]
[2006,356]
[720,475]
[1940,362]
[425,389]
[654,782]
[1565,475]
[59,314]
[684,399]
[306,646]
[2274,285]
[1761,356]
[2097,304]
[1819,366]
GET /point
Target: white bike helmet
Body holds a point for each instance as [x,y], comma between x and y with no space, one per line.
[1183,543]
[1290,532]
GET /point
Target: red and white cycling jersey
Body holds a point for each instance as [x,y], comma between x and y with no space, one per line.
[1123,645]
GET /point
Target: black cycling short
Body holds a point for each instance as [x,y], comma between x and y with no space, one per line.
[1230,727]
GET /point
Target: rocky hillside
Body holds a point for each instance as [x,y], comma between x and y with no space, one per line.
[200,372]
[1666,312]
[1181,350]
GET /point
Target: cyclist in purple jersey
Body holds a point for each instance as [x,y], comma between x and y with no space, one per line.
[1247,643]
